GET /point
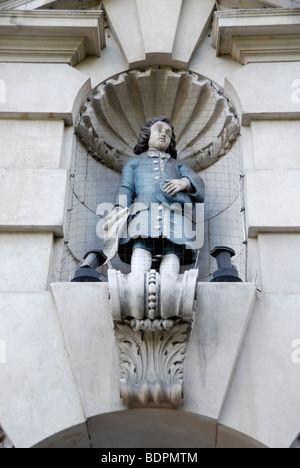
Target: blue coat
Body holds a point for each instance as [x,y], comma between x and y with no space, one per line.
[154,213]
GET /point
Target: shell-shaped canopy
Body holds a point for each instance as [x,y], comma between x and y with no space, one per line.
[205,124]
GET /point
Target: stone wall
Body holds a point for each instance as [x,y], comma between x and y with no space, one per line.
[59,371]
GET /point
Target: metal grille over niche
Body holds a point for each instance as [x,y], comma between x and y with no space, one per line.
[207,132]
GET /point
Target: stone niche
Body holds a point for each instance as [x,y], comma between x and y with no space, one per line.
[207,132]
[153,314]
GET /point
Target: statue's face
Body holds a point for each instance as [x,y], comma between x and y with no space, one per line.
[160,137]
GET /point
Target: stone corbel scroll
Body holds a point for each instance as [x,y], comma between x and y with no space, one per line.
[153,315]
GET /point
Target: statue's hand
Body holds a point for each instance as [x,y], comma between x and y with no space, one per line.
[111,218]
[177,185]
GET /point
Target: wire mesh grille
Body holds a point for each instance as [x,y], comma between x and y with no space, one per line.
[93,181]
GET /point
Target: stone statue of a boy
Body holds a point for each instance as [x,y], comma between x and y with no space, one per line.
[161,193]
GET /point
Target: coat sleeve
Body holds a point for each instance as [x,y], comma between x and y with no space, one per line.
[197,193]
[126,193]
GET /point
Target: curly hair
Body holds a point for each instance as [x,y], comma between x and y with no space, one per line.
[142,144]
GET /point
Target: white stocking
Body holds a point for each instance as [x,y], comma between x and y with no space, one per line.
[170,262]
[141,260]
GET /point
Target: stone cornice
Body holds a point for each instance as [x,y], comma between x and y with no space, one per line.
[20,4]
[34,4]
[48,36]
[258,35]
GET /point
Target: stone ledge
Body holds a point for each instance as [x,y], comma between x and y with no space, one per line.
[45,92]
[221,318]
[257,35]
[250,91]
[47,36]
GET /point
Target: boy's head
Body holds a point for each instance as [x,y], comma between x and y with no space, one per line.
[157,133]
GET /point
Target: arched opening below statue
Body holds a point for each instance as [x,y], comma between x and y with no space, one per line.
[149,428]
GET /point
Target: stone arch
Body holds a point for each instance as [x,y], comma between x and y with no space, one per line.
[149,428]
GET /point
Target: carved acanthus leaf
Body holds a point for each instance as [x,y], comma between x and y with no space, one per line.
[151,362]
[153,315]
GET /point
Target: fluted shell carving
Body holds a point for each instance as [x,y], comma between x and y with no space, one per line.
[110,121]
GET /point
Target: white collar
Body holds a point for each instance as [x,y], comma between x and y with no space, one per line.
[152,153]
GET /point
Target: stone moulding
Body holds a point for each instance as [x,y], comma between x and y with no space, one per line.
[266,35]
[205,124]
[152,330]
[41,36]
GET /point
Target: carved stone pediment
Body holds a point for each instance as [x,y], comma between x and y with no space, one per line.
[153,316]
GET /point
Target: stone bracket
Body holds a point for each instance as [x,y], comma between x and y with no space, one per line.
[151,295]
[153,315]
[151,361]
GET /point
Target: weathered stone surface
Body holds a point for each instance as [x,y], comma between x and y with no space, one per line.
[25,261]
[194,20]
[272,201]
[153,429]
[263,397]
[5,443]
[31,144]
[228,438]
[85,314]
[222,313]
[204,62]
[33,200]
[270,150]
[158,22]
[46,91]
[38,395]
[111,63]
[217,360]
[120,16]
[163,33]
[280,259]
[255,99]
